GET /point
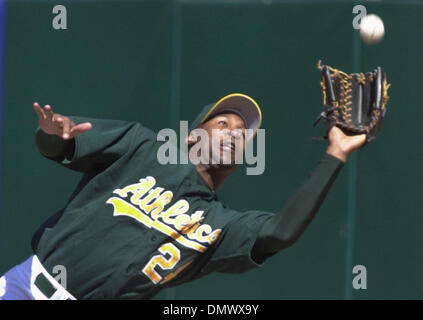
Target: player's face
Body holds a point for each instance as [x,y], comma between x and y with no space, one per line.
[226,138]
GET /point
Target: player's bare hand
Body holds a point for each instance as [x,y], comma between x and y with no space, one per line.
[57,124]
[342,145]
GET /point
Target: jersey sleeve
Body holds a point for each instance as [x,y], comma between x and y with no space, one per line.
[98,148]
[232,251]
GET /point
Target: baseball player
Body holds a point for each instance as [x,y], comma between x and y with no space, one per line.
[134,226]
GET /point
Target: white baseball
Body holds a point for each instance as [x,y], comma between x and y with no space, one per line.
[372,30]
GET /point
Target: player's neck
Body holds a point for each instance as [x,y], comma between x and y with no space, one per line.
[214,176]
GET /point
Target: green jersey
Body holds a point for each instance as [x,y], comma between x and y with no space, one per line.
[133,226]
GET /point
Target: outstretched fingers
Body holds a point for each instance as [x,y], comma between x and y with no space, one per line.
[57,124]
[48,111]
[80,128]
[45,113]
[39,111]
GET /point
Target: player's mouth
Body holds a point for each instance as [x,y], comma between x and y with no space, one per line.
[228,147]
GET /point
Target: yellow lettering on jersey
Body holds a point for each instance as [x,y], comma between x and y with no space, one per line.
[138,190]
[191,231]
[122,208]
[152,203]
[182,221]
[212,237]
[162,262]
[180,207]
[205,228]
[143,204]
[157,206]
[202,233]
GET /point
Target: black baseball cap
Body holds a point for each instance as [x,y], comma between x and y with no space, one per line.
[238,103]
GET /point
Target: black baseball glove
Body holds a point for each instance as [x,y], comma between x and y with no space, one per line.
[354,102]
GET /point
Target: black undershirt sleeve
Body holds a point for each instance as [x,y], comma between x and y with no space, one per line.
[282,230]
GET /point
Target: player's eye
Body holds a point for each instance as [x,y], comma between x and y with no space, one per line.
[223,123]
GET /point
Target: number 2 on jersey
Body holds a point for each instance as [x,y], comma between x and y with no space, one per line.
[165,264]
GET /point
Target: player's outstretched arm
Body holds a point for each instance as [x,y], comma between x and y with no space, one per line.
[84,144]
[282,230]
[56,132]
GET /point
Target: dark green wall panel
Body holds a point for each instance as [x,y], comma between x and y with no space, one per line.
[389,201]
